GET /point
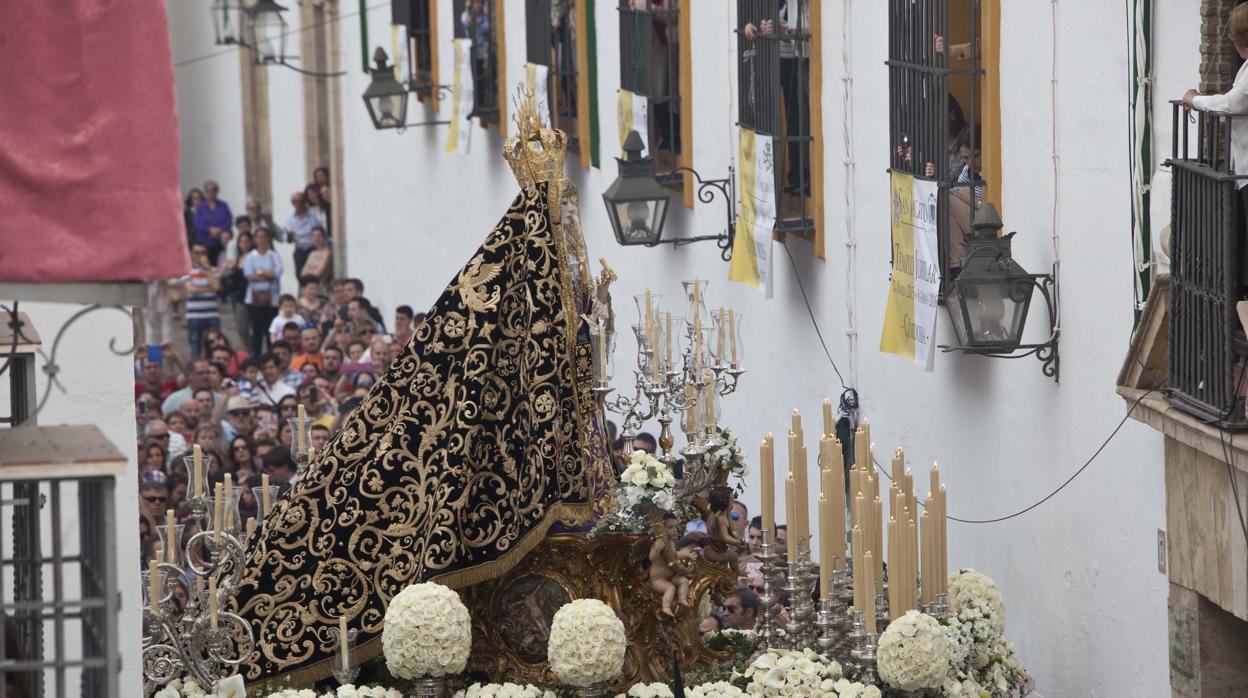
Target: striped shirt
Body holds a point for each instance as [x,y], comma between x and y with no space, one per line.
[965,178]
[201,306]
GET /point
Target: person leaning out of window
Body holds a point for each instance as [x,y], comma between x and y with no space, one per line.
[1235,101]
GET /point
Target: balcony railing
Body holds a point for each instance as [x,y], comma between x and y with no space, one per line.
[1207,345]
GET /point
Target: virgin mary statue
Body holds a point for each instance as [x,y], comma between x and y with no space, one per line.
[480,435]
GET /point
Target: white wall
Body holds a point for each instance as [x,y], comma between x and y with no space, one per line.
[99,389]
[210,112]
[1087,606]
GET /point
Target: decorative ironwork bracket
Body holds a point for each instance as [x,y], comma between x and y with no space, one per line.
[1046,351]
[727,188]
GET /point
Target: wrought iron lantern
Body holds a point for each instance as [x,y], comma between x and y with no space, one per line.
[989,300]
[385,97]
[264,30]
[636,203]
[226,22]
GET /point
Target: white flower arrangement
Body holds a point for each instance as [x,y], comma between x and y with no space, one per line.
[914,653]
[779,672]
[503,690]
[351,691]
[715,689]
[587,643]
[730,458]
[427,632]
[182,688]
[645,491]
[647,690]
[967,584]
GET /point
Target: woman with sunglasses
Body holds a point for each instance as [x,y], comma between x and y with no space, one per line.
[242,454]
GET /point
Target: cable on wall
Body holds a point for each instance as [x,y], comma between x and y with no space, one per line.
[851,240]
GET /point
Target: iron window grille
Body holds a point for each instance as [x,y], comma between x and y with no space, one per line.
[1207,347]
[550,40]
[650,68]
[921,128]
[417,16]
[773,98]
[485,56]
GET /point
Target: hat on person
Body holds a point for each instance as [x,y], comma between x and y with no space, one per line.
[237,402]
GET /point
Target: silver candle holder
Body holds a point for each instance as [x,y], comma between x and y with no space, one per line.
[194,643]
[769,631]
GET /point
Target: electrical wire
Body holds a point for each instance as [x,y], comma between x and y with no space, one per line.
[293,32]
[813,322]
[851,236]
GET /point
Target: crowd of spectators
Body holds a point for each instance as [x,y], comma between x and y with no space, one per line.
[253,352]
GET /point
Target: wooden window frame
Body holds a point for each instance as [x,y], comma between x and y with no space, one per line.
[538,31]
[920,76]
[496,113]
[420,17]
[639,55]
[762,105]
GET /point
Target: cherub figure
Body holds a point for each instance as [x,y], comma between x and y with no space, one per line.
[720,540]
[669,567]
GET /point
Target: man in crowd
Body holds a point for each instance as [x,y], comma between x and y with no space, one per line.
[257,217]
[360,315]
[155,500]
[198,376]
[283,353]
[239,418]
[403,326]
[356,290]
[154,381]
[319,437]
[280,465]
[331,364]
[270,388]
[310,343]
[209,219]
[291,334]
[299,229]
[741,609]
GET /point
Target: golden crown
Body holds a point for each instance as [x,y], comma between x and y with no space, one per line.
[535,153]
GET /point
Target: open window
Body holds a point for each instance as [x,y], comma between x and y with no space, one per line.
[556,38]
[943,113]
[654,67]
[778,53]
[415,46]
[482,22]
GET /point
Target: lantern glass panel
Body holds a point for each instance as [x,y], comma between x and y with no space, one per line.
[388,111]
[639,222]
[993,311]
[225,20]
[268,30]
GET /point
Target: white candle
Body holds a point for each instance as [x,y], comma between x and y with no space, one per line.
[154,594]
[199,471]
[216,513]
[732,335]
[343,643]
[767,466]
[264,494]
[602,354]
[171,540]
[302,417]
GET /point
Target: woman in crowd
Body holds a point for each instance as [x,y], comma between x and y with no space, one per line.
[316,205]
[263,270]
[154,458]
[234,287]
[189,204]
[242,454]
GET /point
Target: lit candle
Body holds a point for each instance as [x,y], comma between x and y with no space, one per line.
[907,486]
[343,638]
[877,529]
[199,471]
[829,427]
[912,559]
[796,427]
[869,568]
[899,466]
[894,608]
[797,467]
[837,470]
[855,549]
[925,554]
[767,469]
[171,540]
[301,415]
[668,318]
[790,504]
[265,501]
[697,301]
[602,353]
[942,553]
[934,478]
[719,337]
[212,601]
[826,564]
[154,594]
[216,513]
[732,334]
[229,488]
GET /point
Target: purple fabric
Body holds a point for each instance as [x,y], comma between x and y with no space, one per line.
[207,216]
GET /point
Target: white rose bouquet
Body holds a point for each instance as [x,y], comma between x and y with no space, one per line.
[967,584]
[182,688]
[715,689]
[427,633]
[646,490]
[346,691]
[730,459]
[647,690]
[587,643]
[914,653]
[503,690]
[779,672]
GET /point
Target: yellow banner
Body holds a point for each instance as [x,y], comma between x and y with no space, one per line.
[898,337]
[632,114]
[462,97]
[744,265]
